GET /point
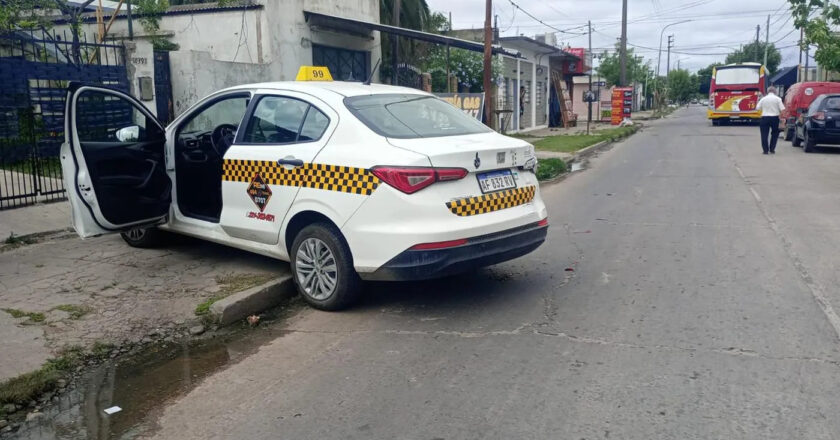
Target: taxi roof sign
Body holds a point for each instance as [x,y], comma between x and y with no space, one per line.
[313,73]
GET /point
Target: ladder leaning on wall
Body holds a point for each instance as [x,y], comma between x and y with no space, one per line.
[564,98]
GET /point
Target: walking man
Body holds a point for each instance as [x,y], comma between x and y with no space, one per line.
[771,107]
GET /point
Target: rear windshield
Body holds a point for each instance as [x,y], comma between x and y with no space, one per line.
[410,116]
[832,103]
[736,75]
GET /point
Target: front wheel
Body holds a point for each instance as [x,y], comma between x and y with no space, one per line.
[145,237]
[810,144]
[788,134]
[322,267]
[796,141]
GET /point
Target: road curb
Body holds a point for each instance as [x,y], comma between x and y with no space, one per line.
[252,301]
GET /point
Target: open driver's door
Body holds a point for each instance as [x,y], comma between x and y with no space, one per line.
[113,162]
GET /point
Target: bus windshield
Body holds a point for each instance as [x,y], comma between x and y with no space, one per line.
[737,75]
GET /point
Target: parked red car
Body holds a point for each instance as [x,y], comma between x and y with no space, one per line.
[797,99]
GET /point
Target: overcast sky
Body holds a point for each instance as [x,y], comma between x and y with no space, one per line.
[716,27]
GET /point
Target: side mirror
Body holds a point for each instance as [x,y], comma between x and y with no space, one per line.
[128,134]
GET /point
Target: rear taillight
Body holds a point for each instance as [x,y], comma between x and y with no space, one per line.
[412,179]
[818,116]
[543,222]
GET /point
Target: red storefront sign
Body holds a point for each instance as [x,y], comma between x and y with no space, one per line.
[575,67]
[622,104]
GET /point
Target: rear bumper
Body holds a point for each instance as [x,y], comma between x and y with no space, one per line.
[478,252]
[829,136]
[710,114]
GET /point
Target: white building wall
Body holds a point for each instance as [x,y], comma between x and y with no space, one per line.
[536,85]
[226,48]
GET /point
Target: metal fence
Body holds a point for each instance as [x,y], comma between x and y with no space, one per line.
[35,69]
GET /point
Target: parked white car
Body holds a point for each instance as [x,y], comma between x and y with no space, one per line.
[346,181]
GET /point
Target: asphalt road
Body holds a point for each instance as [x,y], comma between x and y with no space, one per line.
[685,292]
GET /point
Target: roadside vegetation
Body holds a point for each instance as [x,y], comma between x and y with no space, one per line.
[550,168]
[34,317]
[566,143]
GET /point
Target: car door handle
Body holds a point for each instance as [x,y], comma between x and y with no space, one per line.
[290,161]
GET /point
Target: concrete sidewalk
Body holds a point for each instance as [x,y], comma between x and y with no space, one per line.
[34,219]
[100,290]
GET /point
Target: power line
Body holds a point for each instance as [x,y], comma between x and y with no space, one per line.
[537,19]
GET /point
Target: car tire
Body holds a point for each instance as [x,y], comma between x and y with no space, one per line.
[796,141]
[810,144]
[144,237]
[317,248]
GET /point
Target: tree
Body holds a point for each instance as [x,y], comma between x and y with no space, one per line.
[704,78]
[817,29]
[754,53]
[682,86]
[610,65]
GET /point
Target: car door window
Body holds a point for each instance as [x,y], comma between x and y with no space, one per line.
[283,120]
[226,111]
[105,117]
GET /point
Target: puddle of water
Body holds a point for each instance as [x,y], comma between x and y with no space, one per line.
[140,386]
[576,166]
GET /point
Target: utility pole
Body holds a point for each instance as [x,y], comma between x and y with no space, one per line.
[668,65]
[766,42]
[757,33]
[589,54]
[448,80]
[395,43]
[488,83]
[623,56]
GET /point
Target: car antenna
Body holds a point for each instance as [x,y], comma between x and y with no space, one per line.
[367,82]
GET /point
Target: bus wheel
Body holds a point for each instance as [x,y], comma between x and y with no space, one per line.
[715,122]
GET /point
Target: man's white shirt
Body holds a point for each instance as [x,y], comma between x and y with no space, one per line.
[770,105]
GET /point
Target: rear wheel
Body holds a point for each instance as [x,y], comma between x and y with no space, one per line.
[715,122]
[322,267]
[810,144]
[146,237]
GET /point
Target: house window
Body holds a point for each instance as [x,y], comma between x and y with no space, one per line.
[344,64]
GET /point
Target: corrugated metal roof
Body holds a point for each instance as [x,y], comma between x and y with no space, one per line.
[196,8]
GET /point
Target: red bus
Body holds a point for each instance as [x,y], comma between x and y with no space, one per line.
[735,91]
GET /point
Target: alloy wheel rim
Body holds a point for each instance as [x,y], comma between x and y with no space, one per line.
[136,233]
[316,269]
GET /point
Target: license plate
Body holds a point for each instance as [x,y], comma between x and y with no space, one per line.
[496,181]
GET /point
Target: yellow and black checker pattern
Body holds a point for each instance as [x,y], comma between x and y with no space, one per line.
[311,175]
[492,202]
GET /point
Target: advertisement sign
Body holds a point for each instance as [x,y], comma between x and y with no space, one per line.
[622,104]
[575,67]
[470,103]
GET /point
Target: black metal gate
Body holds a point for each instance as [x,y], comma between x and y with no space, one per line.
[163,87]
[35,69]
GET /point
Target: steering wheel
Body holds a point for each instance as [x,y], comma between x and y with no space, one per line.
[222,138]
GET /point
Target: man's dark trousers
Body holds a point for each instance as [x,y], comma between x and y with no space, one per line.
[769,124]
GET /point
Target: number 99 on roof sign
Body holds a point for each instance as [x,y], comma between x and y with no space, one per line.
[313,73]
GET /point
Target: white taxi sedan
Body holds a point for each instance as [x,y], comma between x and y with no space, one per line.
[346,181]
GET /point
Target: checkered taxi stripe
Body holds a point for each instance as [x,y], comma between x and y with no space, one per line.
[310,175]
[492,202]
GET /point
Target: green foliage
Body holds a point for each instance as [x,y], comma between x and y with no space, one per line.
[149,12]
[26,387]
[754,53]
[704,77]
[467,66]
[550,168]
[819,29]
[33,316]
[610,67]
[682,86]
[23,14]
